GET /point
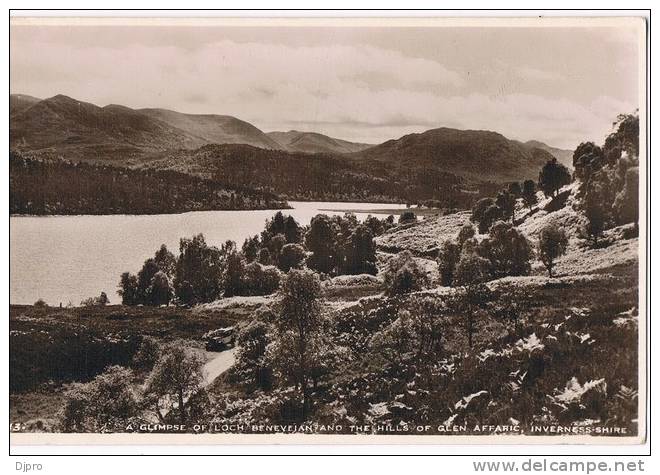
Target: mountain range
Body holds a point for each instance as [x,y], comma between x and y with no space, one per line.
[61,126]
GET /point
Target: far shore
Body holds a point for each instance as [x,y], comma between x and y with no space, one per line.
[392,211]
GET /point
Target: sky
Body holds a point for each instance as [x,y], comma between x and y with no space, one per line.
[560,85]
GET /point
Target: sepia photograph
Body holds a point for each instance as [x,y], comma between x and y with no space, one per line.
[327,229]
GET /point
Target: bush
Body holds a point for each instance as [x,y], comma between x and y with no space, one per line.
[147,354]
[508,250]
[105,404]
[40,303]
[448,256]
[471,269]
[403,275]
[359,252]
[407,217]
[260,280]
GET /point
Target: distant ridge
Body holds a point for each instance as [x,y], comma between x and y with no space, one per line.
[312,142]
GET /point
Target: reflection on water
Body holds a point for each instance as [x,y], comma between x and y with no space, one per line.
[69,258]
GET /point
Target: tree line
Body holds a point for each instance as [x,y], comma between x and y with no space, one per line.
[202,273]
[53,186]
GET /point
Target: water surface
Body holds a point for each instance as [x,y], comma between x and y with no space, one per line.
[64,259]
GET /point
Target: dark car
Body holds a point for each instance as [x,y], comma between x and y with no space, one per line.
[220,339]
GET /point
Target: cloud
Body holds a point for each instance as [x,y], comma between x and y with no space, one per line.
[357,92]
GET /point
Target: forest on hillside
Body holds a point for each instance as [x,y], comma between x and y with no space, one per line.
[44,187]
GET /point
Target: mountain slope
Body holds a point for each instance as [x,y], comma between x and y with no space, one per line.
[215,128]
[563,156]
[476,155]
[20,102]
[312,142]
[80,129]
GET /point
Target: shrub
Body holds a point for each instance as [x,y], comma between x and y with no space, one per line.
[104,404]
[506,202]
[403,275]
[448,256]
[260,280]
[491,215]
[40,303]
[99,301]
[529,193]
[407,217]
[508,250]
[552,244]
[251,369]
[471,269]
[147,354]
[479,209]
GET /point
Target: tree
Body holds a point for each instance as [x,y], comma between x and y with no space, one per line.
[552,177]
[199,272]
[128,285]
[145,277]
[403,275]
[264,256]
[359,252]
[595,213]
[176,377]
[299,321]
[252,369]
[552,244]
[470,302]
[292,231]
[320,240]
[275,246]
[292,256]
[624,139]
[508,250]
[160,292]
[234,270]
[514,189]
[260,280]
[490,216]
[479,209]
[529,193]
[626,204]
[104,404]
[587,158]
[506,202]
[250,248]
[165,261]
[448,256]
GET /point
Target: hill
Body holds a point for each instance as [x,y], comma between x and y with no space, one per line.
[312,142]
[84,130]
[476,155]
[565,157]
[212,128]
[20,102]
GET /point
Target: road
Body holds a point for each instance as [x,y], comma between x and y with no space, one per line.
[218,364]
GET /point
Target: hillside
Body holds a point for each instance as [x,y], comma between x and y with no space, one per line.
[20,102]
[298,176]
[212,128]
[84,130]
[476,155]
[312,142]
[565,157]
